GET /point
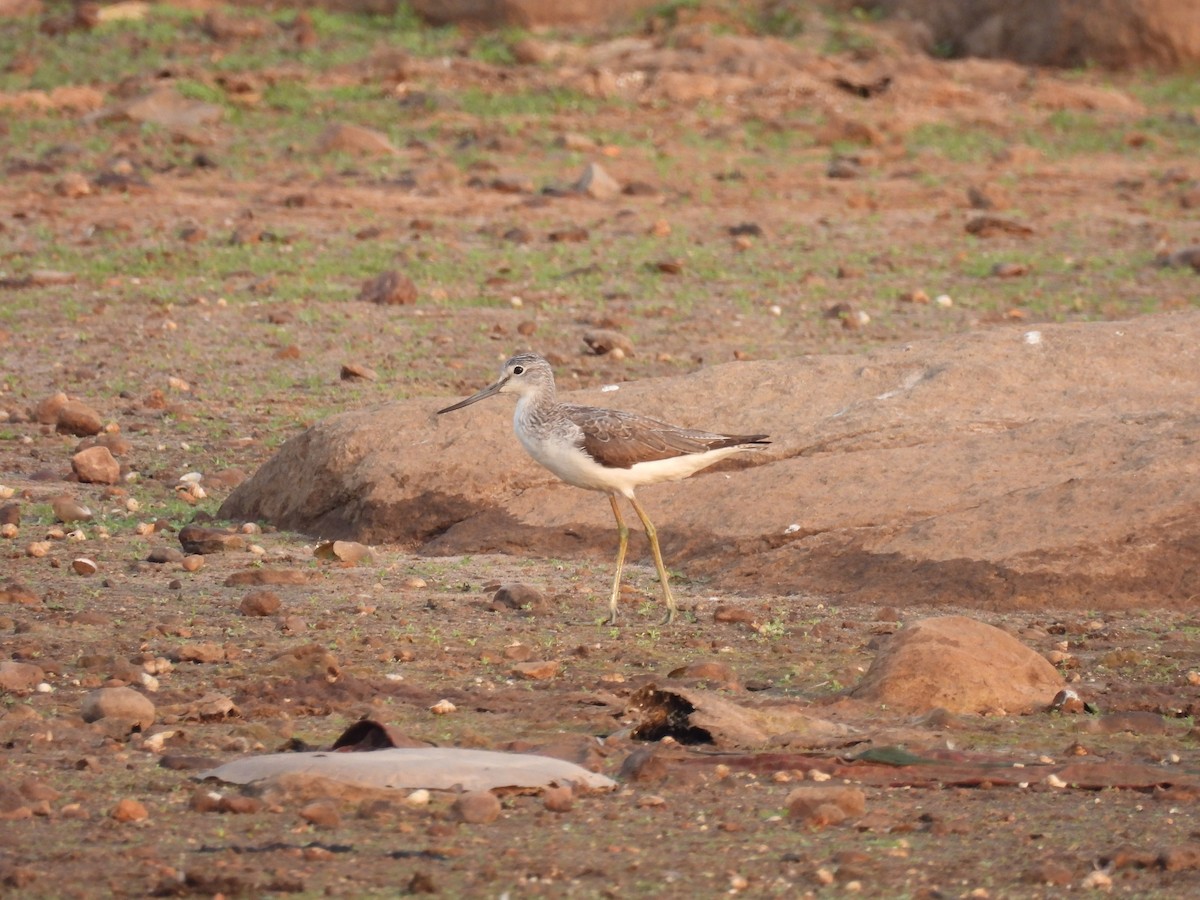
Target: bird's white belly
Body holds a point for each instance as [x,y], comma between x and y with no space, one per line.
[575,467]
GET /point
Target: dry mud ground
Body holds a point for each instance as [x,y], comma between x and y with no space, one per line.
[205,304]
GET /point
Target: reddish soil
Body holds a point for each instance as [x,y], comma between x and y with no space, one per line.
[200,374]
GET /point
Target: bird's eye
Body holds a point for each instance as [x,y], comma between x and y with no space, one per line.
[518,370]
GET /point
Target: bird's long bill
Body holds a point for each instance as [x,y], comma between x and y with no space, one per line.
[475,398]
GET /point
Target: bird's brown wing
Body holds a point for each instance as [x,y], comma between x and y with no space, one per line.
[618,440]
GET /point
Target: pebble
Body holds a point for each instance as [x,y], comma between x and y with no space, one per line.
[196,539]
[38,549]
[358,372]
[519,597]
[77,418]
[718,673]
[68,509]
[559,799]
[84,566]
[476,808]
[827,805]
[443,708]
[389,289]
[322,813]
[10,514]
[596,183]
[129,810]
[9,530]
[266,576]
[603,341]
[164,555]
[536,670]
[120,703]
[19,677]
[260,603]
[413,582]
[419,797]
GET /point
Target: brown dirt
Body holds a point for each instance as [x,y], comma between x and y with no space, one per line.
[90,809]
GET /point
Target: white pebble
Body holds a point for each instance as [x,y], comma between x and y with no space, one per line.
[191,478]
[419,797]
[1054,781]
[44,688]
[149,682]
[775,309]
[258,549]
[443,708]
[516,302]
[6,492]
[943,300]
[1033,338]
[77,535]
[818,775]
[791,529]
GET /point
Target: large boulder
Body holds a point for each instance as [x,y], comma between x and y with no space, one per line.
[960,665]
[1005,467]
[1116,34]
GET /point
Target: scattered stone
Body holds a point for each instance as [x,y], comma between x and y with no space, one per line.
[536,670]
[68,509]
[341,137]
[844,167]
[122,704]
[73,185]
[10,514]
[712,671]
[991,226]
[476,808]
[260,603]
[37,549]
[15,592]
[266,577]
[1009,270]
[196,539]
[574,234]
[322,813]
[596,183]
[559,799]
[163,555]
[962,665]
[309,661]
[116,444]
[20,677]
[9,531]
[443,708]
[45,412]
[389,289]
[826,804]
[77,418]
[129,810]
[603,341]
[734,615]
[202,652]
[96,465]
[349,552]
[519,597]
[357,372]
[84,566]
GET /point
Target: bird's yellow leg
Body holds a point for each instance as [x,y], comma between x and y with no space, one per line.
[623,533]
[652,534]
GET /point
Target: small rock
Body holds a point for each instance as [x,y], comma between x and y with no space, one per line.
[129,810]
[200,652]
[37,549]
[990,226]
[68,509]
[733,615]
[96,465]
[265,577]
[192,563]
[602,340]
[536,670]
[597,183]
[200,540]
[574,234]
[343,138]
[260,603]
[10,514]
[322,813]
[389,289]
[443,708]
[15,592]
[986,196]
[357,372]
[73,185]
[84,566]
[163,555]
[826,805]
[1009,270]
[9,530]
[712,671]
[120,703]
[19,677]
[77,418]
[520,597]
[559,799]
[476,808]
[349,552]
[45,412]
[844,167]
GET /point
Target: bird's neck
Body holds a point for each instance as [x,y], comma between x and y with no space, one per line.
[536,408]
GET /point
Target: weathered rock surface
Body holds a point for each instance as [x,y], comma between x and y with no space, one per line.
[1112,33]
[982,469]
[121,703]
[961,665]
